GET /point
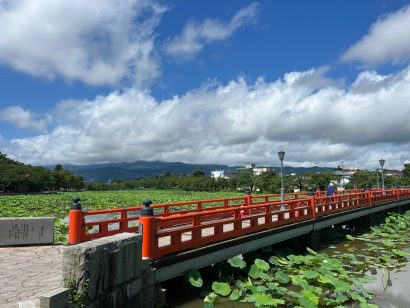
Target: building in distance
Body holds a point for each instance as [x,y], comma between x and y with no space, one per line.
[232,172]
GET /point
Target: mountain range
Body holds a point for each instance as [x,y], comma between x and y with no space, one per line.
[137,169]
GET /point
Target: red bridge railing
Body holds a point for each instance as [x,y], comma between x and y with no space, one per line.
[182,226]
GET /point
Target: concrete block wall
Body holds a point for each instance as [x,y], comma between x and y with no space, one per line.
[110,272]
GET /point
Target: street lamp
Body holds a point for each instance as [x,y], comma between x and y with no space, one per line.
[377,177]
[281,155]
[381,161]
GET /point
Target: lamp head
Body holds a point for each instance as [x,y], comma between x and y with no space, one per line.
[281,155]
[381,161]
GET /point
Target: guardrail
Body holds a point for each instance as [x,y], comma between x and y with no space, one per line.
[88,225]
[173,227]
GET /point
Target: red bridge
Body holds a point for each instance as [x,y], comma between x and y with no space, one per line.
[221,228]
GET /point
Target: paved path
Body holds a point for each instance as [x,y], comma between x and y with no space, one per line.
[27,272]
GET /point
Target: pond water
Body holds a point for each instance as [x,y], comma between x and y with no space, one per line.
[391,288]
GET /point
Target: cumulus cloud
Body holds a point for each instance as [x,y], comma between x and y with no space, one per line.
[24,119]
[235,123]
[388,40]
[97,42]
[195,35]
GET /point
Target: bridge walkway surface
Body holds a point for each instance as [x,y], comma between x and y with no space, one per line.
[27,272]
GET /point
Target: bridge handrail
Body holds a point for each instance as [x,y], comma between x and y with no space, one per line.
[81,229]
[170,208]
[258,218]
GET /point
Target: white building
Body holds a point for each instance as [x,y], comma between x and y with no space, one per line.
[232,172]
[347,173]
[259,170]
[218,174]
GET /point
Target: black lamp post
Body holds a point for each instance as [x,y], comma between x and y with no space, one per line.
[281,155]
[377,178]
[381,161]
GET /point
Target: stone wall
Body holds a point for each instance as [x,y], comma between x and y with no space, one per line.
[110,272]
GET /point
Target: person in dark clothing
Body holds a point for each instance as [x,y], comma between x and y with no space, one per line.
[330,190]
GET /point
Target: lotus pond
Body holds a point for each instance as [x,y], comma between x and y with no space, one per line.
[367,270]
[58,204]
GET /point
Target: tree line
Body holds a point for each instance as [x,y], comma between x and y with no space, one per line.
[16,177]
[267,182]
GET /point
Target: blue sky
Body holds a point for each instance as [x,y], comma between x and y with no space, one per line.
[227,82]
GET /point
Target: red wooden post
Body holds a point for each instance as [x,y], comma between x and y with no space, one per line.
[369,197]
[268,215]
[166,210]
[291,206]
[248,201]
[237,216]
[124,221]
[312,203]
[148,230]
[196,233]
[248,197]
[75,222]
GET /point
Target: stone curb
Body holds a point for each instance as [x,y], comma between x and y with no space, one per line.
[57,298]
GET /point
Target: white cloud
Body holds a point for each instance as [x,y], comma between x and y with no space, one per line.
[24,119]
[236,123]
[388,40]
[97,42]
[195,35]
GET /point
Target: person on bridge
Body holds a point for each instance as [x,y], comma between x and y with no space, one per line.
[330,190]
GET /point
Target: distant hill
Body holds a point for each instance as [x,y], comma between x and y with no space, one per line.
[133,170]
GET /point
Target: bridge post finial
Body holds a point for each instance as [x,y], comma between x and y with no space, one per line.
[147,210]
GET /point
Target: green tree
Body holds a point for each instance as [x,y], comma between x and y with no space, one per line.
[265,181]
[197,173]
[406,171]
[321,180]
[361,179]
[245,179]
[298,181]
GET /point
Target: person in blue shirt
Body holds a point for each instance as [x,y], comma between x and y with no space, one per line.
[330,190]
